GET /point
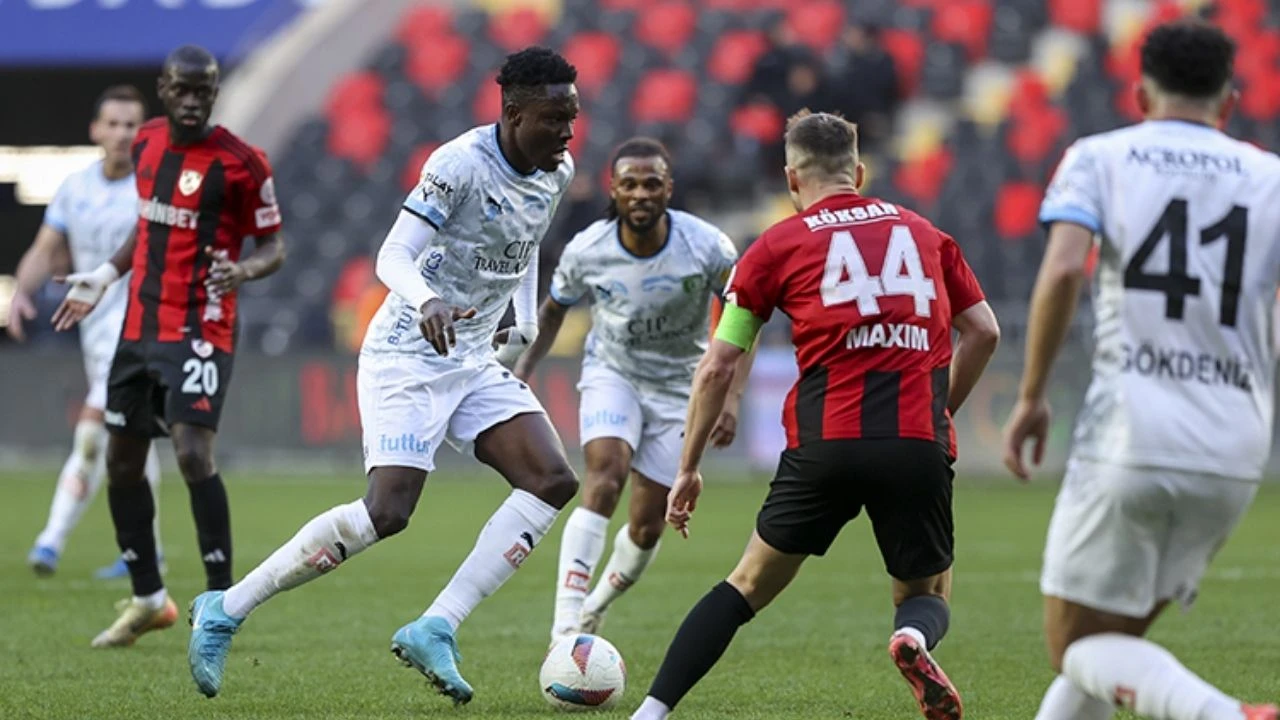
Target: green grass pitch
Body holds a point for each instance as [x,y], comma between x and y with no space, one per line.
[819,652]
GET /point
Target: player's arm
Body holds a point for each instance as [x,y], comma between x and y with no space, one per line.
[979,337]
[34,269]
[512,341]
[550,319]
[397,268]
[87,288]
[726,428]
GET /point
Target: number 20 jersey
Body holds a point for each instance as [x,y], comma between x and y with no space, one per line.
[1187,224]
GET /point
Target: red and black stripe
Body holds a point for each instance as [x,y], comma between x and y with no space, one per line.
[156,242]
[211,199]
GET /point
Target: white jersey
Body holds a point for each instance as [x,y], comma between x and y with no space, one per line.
[649,315]
[1188,225]
[489,220]
[96,215]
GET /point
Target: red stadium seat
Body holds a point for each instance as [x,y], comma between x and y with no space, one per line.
[413,168]
[360,137]
[731,5]
[595,54]
[1033,137]
[1029,95]
[922,179]
[357,91]
[487,105]
[1082,16]
[423,23]
[664,96]
[666,26]
[1261,100]
[734,56]
[438,65]
[517,28]
[967,23]
[907,50]
[760,121]
[817,23]
[623,5]
[1017,208]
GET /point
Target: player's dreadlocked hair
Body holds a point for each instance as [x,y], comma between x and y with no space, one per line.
[636,147]
[824,142]
[526,73]
[1191,58]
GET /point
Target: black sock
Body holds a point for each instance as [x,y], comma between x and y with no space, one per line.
[213,530]
[702,638]
[927,613]
[133,509]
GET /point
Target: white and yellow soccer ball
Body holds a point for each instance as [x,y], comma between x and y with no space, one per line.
[583,672]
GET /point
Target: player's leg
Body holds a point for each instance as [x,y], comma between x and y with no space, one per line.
[78,484]
[634,548]
[193,447]
[131,414]
[908,498]
[118,569]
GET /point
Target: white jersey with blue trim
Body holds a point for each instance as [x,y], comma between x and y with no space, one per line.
[1187,222]
[649,315]
[489,219]
[96,215]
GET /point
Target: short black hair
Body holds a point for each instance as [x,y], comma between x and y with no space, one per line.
[1189,57]
[527,72]
[191,57]
[120,93]
[636,147]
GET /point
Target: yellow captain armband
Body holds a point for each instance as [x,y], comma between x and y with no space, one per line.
[738,326]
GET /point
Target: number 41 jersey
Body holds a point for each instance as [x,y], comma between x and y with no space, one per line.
[1187,222]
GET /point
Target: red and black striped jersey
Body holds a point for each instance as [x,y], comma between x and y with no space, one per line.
[871,289]
[191,198]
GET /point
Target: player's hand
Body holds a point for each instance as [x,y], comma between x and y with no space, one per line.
[224,275]
[20,308]
[437,323]
[86,289]
[511,342]
[1029,421]
[726,428]
[683,499]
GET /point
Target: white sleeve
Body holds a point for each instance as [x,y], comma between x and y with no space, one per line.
[397,265]
[1075,194]
[525,299]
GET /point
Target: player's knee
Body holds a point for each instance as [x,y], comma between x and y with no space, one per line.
[388,518]
[126,462]
[195,462]
[647,533]
[557,486]
[603,490]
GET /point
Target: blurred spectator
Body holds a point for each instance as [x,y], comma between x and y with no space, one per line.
[770,77]
[865,79]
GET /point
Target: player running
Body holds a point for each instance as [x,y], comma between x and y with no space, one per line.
[1175,429]
[868,423]
[91,216]
[653,273]
[464,246]
[201,190]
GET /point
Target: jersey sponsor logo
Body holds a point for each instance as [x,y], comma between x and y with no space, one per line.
[163,213]
[515,258]
[189,181]
[843,216]
[660,283]
[405,321]
[899,336]
[1184,161]
[1186,366]
[603,417]
[692,283]
[265,217]
[404,443]
[433,184]
[202,348]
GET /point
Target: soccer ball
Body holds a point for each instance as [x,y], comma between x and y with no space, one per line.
[583,672]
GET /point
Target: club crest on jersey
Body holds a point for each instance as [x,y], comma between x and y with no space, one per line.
[268,192]
[202,348]
[189,181]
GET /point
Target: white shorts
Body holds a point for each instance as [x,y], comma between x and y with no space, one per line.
[1123,539]
[653,425]
[408,405]
[97,369]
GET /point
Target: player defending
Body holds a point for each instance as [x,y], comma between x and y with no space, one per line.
[91,216]
[869,421]
[1175,429]
[463,247]
[201,190]
[653,273]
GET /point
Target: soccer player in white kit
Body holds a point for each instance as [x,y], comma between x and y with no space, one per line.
[652,274]
[91,216]
[1175,429]
[464,246]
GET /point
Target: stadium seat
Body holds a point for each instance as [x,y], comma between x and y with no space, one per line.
[487,104]
[1010,35]
[439,64]
[967,22]
[734,56]
[907,50]
[1033,136]
[595,54]
[942,76]
[760,122]
[1029,94]
[355,91]
[666,26]
[1082,16]
[517,28]
[664,96]
[1016,209]
[816,23]
[360,136]
[423,23]
[921,179]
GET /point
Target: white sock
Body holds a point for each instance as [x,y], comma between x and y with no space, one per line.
[913,633]
[581,546]
[78,483]
[152,471]
[320,546]
[1144,677]
[506,540]
[1064,701]
[626,565]
[154,601]
[651,709]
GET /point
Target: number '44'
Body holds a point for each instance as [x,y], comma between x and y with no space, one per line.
[846,278]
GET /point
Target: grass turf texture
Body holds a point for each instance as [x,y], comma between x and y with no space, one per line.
[818,652]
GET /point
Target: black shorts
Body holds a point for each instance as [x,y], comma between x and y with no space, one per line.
[905,485]
[154,385]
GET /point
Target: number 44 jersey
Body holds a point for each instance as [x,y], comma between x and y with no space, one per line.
[1187,223]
